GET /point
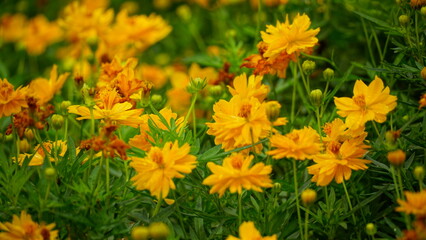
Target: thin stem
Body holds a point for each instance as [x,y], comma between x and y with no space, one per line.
[191,108]
[252,142]
[349,200]
[318,122]
[157,208]
[401,189]
[240,212]
[326,198]
[194,124]
[293,100]
[306,222]
[304,80]
[296,190]
[107,175]
[398,195]
[376,129]
[46,196]
[66,128]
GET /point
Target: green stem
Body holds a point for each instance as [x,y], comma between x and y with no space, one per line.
[401,189]
[240,212]
[318,122]
[326,199]
[293,100]
[376,129]
[191,108]
[306,222]
[349,200]
[296,190]
[46,196]
[157,207]
[66,128]
[107,175]
[398,195]
[194,124]
[304,80]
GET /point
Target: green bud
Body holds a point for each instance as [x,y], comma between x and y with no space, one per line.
[29,134]
[216,91]
[308,66]
[65,105]
[423,11]
[57,121]
[159,230]
[316,97]
[50,173]
[404,19]
[184,12]
[277,187]
[156,99]
[419,173]
[196,84]
[371,229]
[328,74]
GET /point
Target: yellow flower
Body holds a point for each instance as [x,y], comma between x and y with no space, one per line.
[338,163]
[290,38]
[251,87]
[422,101]
[153,74]
[415,203]
[38,157]
[156,171]
[43,90]
[11,101]
[39,34]
[12,27]
[371,102]
[236,174]
[298,144]
[111,111]
[249,232]
[239,122]
[24,227]
[337,133]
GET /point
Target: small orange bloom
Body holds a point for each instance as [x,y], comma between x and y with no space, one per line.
[415,203]
[11,101]
[422,101]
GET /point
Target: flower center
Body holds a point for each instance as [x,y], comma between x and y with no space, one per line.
[245,110]
[157,157]
[6,90]
[237,162]
[360,100]
[334,147]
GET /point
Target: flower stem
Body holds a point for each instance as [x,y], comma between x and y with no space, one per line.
[296,190]
[191,108]
[376,129]
[306,222]
[157,208]
[398,195]
[293,99]
[318,122]
[107,175]
[349,200]
[401,189]
[240,212]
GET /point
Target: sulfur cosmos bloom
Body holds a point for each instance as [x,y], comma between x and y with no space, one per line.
[58,147]
[422,101]
[290,38]
[156,171]
[43,89]
[121,113]
[370,102]
[11,101]
[337,163]
[251,87]
[337,132]
[23,227]
[299,144]
[249,232]
[239,122]
[415,203]
[236,174]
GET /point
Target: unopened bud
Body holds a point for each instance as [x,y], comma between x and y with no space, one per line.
[328,74]
[273,110]
[396,158]
[196,84]
[50,173]
[423,11]
[57,121]
[216,91]
[419,173]
[156,99]
[316,97]
[308,66]
[159,230]
[370,229]
[184,12]
[140,233]
[404,19]
[308,196]
[24,146]
[423,73]
[29,134]
[65,105]
[277,187]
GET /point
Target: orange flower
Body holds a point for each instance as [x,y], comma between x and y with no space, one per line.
[422,101]
[371,102]
[43,90]
[12,27]
[337,132]
[415,203]
[39,34]
[298,144]
[11,101]
[249,232]
[251,87]
[156,171]
[24,227]
[236,174]
[51,148]
[239,122]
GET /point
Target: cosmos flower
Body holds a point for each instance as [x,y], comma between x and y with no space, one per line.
[370,102]
[37,158]
[11,101]
[249,232]
[251,87]
[156,171]
[236,174]
[415,203]
[422,101]
[39,33]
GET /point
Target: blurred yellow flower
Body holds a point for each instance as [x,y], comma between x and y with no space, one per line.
[239,122]
[51,148]
[422,101]
[299,144]
[156,171]
[251,87]
[290,38]
[43,90]
[371,102]
[237,173]
[39,33]
[12,27]
[11,101]
[23,227]
[249,232]
[415,203]
[153,74]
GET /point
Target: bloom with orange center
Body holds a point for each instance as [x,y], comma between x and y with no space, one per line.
[422,101]
[251,87]
[337,132]
[11,101]
[43,90]
[236,174]
[290,38]
[239,122]
[415,203]
[156,171]
[23,227]
[371,102]
[39,34]
[249,232]
[12,27]
[337,163]
[57,148]
[121,113]
[299,144]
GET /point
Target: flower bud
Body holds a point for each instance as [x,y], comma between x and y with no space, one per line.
[24,146]
[308,196]
[29,134]
[8,137]
[328,74]
[140,233]
[273,110]
[184,12]
[156,99]
[65,105]
[50,173]
[396,158]
[159,230]
[216,91]
[423,71]
[370,229]
[404,19]
[419,173]
[308,66]
[277,187]
[196,84]
[57,121]
[423,11]
[316,97]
